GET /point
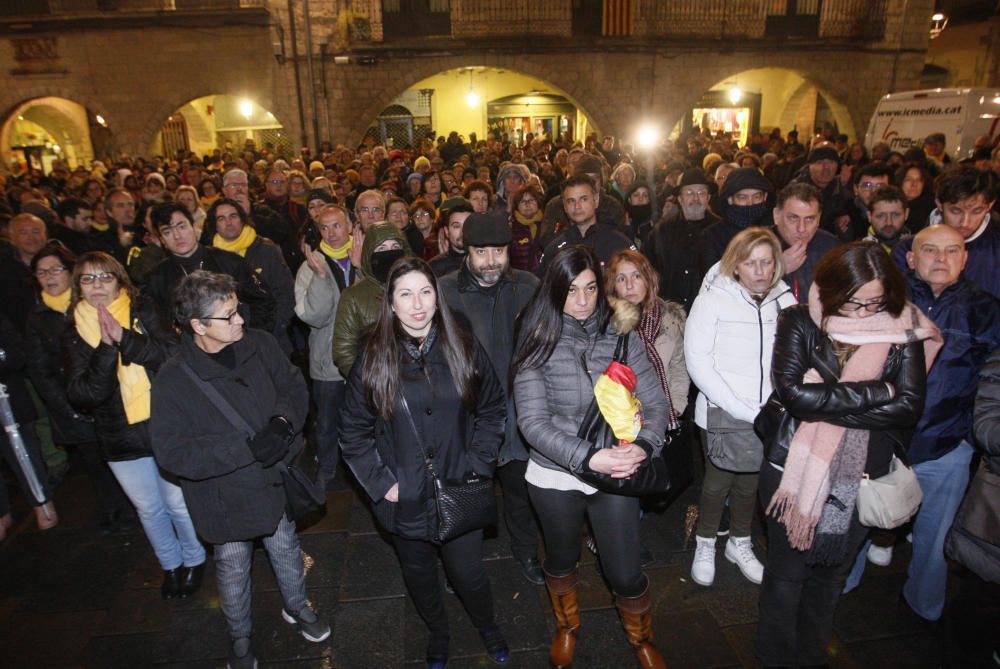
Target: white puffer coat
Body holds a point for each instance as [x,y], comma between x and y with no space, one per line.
[728,343]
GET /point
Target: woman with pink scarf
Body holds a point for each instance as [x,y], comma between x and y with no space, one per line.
[849,371]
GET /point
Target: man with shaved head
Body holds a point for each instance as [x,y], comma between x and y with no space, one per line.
[18,287]
[940,450]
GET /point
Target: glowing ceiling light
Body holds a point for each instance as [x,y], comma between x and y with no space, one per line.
[100,119]
[648,135]
[472,99]
[735,95]
[246,108]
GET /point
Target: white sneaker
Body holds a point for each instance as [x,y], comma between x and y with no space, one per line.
[739,551]
[879,555]
[703,567]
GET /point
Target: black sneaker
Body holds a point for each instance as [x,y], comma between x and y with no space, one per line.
[311,626]
[241,655]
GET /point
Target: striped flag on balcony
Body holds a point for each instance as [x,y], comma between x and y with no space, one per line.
[617,20]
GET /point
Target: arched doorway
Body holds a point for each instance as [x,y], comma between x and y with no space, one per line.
[486,99]
[760,99]
[41,131]
[224,122]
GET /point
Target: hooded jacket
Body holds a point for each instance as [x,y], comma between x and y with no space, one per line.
[552,398]
[728,343]
[359,304]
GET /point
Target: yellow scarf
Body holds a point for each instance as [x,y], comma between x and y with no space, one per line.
[530,223]
[875,237]
[338,253]
[100,227]
[207,201]
[58,303]
[238,245]
[133,383]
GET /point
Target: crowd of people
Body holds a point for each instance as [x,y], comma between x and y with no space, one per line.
[183,324]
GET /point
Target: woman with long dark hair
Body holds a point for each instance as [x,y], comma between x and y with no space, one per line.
[419,360]
[566,338]
[849,371]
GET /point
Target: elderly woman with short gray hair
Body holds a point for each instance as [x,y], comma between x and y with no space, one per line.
[225,381]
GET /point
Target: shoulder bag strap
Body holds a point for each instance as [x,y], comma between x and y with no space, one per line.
[416,433]
[220,402]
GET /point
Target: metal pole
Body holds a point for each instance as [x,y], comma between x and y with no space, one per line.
[295,69]
[312,77]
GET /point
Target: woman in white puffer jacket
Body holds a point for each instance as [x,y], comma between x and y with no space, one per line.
[727,346]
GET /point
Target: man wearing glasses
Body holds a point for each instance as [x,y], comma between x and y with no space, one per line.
[870,180]
[173,224]
[673,246]
[292,214]
[369,208]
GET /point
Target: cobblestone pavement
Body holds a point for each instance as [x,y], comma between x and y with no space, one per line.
[72,598]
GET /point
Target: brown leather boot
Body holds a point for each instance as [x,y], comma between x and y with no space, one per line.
[562,594]
[638,624]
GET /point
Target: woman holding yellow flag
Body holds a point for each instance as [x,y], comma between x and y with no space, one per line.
[110,358]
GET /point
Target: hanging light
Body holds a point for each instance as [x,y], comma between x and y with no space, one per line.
[735,94]
[246,109]
[938,23]
[101,121]
[471,98]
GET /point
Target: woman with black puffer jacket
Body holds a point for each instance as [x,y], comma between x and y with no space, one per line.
[849,371]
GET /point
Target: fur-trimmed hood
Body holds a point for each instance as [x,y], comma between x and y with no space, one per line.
[624,315]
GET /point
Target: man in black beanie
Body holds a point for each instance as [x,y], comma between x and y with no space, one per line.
[747,198]
[491,294]
[823,165]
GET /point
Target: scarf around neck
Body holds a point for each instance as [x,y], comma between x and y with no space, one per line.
[100,227]
[418,350]
[339,252]
[133,382]
[819,486]
[58,303]
[239,245]
[648,330]
[530,223]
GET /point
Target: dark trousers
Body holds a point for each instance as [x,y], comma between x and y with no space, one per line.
[109,495]
[614,520]
[463,562]
[328,396]
[517,512]
[797,600]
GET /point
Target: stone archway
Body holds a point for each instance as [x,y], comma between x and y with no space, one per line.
[52,126]
[361,92]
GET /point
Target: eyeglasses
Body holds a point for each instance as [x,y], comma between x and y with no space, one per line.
[694,193]
[422,214]
[370,210]
[870,185]
[276,182]
[54,271]
[871,307]
[228,319]
[103,277]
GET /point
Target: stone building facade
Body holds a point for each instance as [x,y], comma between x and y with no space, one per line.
[134,62]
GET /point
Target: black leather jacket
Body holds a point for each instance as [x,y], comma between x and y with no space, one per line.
[799,346]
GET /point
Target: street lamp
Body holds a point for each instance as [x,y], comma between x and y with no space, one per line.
[648,137]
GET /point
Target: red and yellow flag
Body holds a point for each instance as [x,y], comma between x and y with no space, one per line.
[618,16]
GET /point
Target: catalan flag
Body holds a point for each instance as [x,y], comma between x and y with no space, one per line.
[618,17]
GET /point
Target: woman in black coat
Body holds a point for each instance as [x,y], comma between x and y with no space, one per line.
[420,361]
[110,358]
[47,323]
[849,371]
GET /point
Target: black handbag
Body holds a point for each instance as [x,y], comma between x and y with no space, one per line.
[462,505]
[653,475]
[302,494]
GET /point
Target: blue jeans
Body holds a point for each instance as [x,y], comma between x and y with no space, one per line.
[943,482]
[162,512]
[328,396]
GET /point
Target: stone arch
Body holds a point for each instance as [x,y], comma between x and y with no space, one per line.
[54,110]
[803,80]
[575,89]
[15,99]
[162,110]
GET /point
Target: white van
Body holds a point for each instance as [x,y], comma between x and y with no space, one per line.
[903,119]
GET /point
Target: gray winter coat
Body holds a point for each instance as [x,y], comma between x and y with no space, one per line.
[551,399]
[316,300]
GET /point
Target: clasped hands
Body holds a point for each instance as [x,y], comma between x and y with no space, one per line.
[619,462]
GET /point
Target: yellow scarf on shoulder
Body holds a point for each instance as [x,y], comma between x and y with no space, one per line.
[338,253]
[58,303]
[133,382]
[238,245]
[100,227]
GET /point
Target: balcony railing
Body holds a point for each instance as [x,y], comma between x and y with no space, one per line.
[60,8]
[651,19]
